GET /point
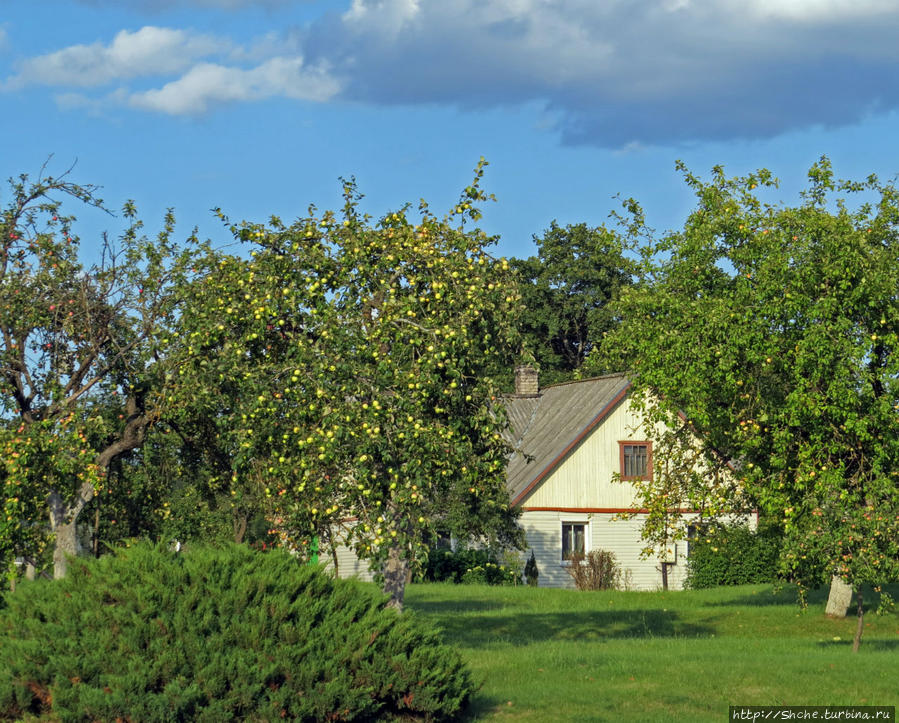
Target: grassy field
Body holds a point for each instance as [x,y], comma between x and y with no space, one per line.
[564,655]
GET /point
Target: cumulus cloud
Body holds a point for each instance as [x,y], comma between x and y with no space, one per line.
[148,51]
[616,73]
[209,84]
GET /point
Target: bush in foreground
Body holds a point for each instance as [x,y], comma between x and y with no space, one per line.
[218,634]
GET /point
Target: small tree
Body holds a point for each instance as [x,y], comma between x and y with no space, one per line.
[531,573]
[83,350]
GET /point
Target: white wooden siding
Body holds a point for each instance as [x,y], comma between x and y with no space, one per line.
[543,530]
[348,565]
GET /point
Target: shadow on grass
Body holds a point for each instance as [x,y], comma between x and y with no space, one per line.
[447,607]
[527,628]
[779,595]
[789,595]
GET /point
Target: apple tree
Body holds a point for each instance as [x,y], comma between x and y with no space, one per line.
[360,358]
[83,350]
[775,330]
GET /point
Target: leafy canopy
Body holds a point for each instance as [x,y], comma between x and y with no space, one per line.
[351,366]
[566,293]
[774,329]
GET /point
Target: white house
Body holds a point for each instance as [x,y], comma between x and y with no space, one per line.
[570,439]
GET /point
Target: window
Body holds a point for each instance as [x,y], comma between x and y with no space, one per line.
[574,535]
[636,460]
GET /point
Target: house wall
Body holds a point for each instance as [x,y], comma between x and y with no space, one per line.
[580,489]
[605,531]
[348,565]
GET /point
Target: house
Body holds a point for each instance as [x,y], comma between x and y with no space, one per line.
[570,440]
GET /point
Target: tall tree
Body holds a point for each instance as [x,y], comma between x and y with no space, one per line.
[774,329]
[566,290]
[83,368]
[358,358]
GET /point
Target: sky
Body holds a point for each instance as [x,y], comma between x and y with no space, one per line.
[260,107]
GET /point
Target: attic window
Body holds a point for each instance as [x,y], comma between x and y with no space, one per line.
[636,460]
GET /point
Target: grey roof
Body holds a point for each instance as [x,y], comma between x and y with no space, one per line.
[546,428]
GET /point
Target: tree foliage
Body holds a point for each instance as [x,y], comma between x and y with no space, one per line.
[83,352]
[566,293]
[349,365]
[774,329]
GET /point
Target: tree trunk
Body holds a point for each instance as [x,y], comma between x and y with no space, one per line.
[839,599]
[64,517]
[665,576]
[395,574]
[64,527]
[859,628]
[95,538]
[240,526]
[66,546]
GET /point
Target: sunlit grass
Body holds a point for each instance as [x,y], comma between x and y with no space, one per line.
[558,655]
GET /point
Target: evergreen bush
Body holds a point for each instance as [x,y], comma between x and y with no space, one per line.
[733,555]
[531,573]
[149,634]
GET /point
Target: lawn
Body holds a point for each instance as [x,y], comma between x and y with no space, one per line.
[559,655]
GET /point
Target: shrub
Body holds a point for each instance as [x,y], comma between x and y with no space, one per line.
[218,634]
[471,566]
[733,555]
[531,573]
[595,571]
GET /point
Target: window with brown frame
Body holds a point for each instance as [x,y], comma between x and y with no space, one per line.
[636,460]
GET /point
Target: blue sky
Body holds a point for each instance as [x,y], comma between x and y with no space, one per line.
[259,107]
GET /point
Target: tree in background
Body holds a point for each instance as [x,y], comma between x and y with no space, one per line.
[774,329]
[83,360]
[566,293]
[356,362]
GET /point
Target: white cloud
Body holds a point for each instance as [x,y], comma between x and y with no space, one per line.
[619,72]
[818,11]
[160,5]
[148,51]
[614,73]
[209,84]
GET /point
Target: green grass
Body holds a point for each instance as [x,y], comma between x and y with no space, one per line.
[560,655]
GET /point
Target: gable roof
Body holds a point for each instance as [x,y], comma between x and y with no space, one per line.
[545,428]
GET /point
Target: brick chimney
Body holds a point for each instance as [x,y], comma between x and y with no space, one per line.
[526,381]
